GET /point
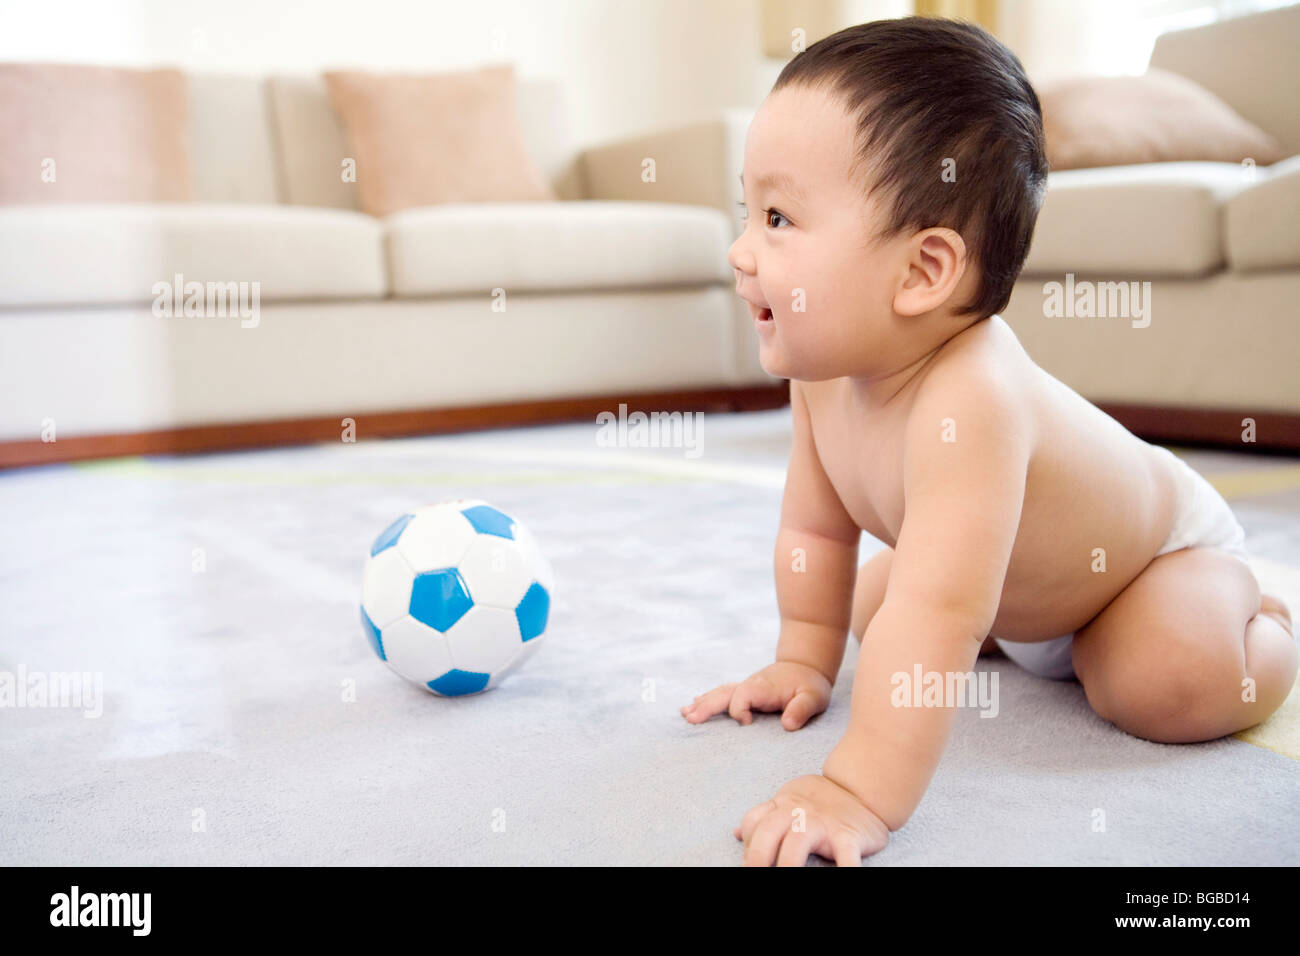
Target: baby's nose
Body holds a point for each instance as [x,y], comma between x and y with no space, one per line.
[737,259]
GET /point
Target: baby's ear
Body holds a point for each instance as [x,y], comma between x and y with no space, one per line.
[935,265]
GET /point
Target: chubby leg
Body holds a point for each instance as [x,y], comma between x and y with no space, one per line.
[869,594]
[1189,651]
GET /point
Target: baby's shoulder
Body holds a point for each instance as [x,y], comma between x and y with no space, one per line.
[974,364]
[980,378]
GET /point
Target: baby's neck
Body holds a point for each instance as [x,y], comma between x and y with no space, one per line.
[877,389]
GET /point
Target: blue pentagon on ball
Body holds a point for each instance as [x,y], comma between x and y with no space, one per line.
[487,520]
[457,683]
[439,598]
[388,537]
[532,611]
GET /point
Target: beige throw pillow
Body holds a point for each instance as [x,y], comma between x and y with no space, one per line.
[72,133]
[435,138]
[1154,118]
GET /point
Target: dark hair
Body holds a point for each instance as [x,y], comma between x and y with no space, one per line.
[923,90]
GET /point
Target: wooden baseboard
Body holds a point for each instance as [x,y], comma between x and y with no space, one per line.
[1274,431]
[299,431]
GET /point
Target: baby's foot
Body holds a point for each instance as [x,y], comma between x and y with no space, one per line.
[1276,609]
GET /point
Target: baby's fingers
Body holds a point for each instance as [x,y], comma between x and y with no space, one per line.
[751,820]
[805,704]
[706,705]
[754,694]
[846,851]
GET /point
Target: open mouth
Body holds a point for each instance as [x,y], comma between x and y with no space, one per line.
[764,315]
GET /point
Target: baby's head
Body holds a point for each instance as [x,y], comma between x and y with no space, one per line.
[892,179]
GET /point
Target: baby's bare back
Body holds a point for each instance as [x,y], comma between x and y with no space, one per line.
[1098,501]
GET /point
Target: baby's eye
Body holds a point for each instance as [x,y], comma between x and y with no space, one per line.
[773,212]
[767,213]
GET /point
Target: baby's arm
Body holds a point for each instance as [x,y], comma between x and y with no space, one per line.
[816,556]
[963,499]
[815,562]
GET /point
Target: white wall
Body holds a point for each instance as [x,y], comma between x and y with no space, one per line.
[627,65]
[818,19]
[1056,38]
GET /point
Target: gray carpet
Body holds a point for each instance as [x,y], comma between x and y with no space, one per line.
[225,738]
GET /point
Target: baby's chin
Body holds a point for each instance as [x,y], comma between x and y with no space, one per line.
[779,363]
[772,361]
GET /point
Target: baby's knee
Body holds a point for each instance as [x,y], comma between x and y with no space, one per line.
[869,590]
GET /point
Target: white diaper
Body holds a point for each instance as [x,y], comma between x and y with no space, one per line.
[1202,519]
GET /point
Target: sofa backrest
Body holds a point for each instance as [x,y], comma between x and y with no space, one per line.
[1252,63]
[310,143]
[278,139]
[231,148]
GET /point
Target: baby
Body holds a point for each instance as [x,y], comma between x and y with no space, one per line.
[898,169]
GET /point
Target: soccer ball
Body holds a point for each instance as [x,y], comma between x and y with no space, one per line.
[455,596]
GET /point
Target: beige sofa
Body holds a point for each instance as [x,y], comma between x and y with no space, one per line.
[357,317]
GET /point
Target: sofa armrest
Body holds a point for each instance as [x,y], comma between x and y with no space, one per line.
[698,164]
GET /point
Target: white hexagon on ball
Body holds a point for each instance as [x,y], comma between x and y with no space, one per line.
[495,572]
[533,557]
[416,651]
[526,651]
[437,537]
[386,587]
[484,640]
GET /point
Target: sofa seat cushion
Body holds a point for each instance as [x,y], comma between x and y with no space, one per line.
[104,254]
[473,248]
[1260,224]
[1155,219]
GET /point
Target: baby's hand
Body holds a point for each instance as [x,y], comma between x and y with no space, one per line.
[799,691]
[811,815]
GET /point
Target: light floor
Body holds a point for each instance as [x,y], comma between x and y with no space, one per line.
[225,737]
